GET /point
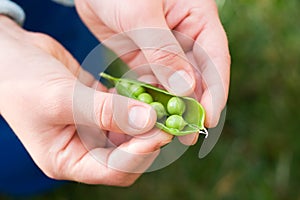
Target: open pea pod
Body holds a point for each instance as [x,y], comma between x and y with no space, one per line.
[194,113]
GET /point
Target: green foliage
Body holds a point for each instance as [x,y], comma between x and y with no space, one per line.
[258,154]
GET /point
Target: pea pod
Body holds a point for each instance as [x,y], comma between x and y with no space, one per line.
[193,115]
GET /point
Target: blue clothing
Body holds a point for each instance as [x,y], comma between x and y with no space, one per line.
[18,173]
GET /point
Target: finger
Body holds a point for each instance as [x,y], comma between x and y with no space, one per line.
[119,42]
[162,50]
[115,166]
[149,79]
[151,34]
[111,112]
[86,11]
[199,86]
[143,149]
[158,44]
[116,139]
[188,140]
[54,48]
[215,77]
[166,58]
[210,50]
[212,56]
[99,87]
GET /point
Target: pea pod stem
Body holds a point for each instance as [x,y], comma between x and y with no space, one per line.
[109,77]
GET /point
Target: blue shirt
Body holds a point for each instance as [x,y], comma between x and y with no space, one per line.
[18,173]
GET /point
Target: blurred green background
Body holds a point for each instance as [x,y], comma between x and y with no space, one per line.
[258,153]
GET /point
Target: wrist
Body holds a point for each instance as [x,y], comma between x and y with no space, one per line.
[6,20]
[11,35]
[9,28]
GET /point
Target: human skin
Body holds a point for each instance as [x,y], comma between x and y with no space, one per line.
[37,83]
[38,77]
[182,41]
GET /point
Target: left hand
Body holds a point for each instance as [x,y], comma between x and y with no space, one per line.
[53,108]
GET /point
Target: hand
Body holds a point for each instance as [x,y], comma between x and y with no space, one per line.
[38,100]
[171,36]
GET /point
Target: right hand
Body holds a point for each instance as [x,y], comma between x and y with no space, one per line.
[37,82]
[182,41]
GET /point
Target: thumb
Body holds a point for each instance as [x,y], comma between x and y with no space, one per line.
[111,112]
[146,26]
[165,57]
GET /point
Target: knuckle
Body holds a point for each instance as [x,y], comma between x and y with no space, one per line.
[104,114]
[44,42]
[165,55]
[40,39]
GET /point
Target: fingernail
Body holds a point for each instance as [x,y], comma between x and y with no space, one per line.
[195,139]
[181,83]
[139,117]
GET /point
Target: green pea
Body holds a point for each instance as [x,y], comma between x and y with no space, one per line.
[186,114]
[122,88]
[125,84]
[136,89]
[160,109]
[176,122]
[145,97]
[176,106]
